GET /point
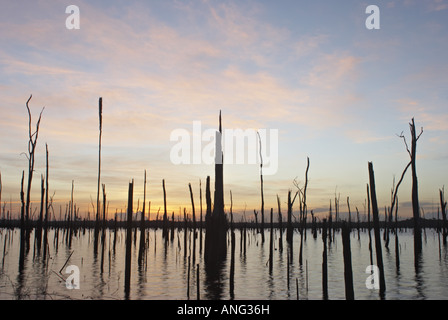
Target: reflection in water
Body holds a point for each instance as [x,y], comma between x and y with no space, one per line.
[20,280]
[214,280]
[419,281]
[232,266]
[164,272]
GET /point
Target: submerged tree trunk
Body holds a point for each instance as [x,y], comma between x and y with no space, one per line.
[45,240]
[324,261]
[38,233]
[97,219]
[443,208]
[376,226]
[280,225]
[215,250]
[31,153]
[165,214]
[271,243]
[142,225]
[22,227]
[415,201]
[261,190]
[127,274]
[348,273]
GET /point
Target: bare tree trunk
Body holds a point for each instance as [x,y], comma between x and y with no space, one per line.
[38,234]
[208,218]
[376,225]
[115,231]
[289,221]
[304,210]
[45,242]
[349,215]
[443,208]
[31,152]
[165,214]
[200,223]
[103,228]
[216,247]
[324,261]
[22,227]
[348,273]
[127,279]
[97,220]
[142,225]
[232,252]
[194,222]
[280,225]
[397,246]
[261,189]
[271,243]
[415,201]
[358,222]
[3,217]
[330,223]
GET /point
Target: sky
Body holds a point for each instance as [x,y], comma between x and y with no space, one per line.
[337,92]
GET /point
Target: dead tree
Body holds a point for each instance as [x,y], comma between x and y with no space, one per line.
[394,203]
[38,233]
[127,274]
[1,194]
[271,243]
[368,225]
[200,221]
[261,188]
[289,230]
[376,226]
[208,216]
[32,142]
[45,241]
[443,207]
[103,229]
[165,214]
[22,226]
[349,215]
[348,272]
[303,208]
[194,221]
[415,202]
[142,225]
[324,261]
[97,220]
[280,225]
[216,227]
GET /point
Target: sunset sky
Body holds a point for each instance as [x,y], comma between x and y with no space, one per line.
[337,93]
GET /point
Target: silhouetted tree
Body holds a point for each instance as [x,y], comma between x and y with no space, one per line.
[415,202]
[32,142]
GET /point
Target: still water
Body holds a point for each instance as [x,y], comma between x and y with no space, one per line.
[165,273]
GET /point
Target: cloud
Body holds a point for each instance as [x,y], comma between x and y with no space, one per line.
[425,116]
[362,136]
[331,70]
[157,73]
[308,45]
[16,66]
[437,5]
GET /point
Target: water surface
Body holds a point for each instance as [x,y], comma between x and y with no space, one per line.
[164,273]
